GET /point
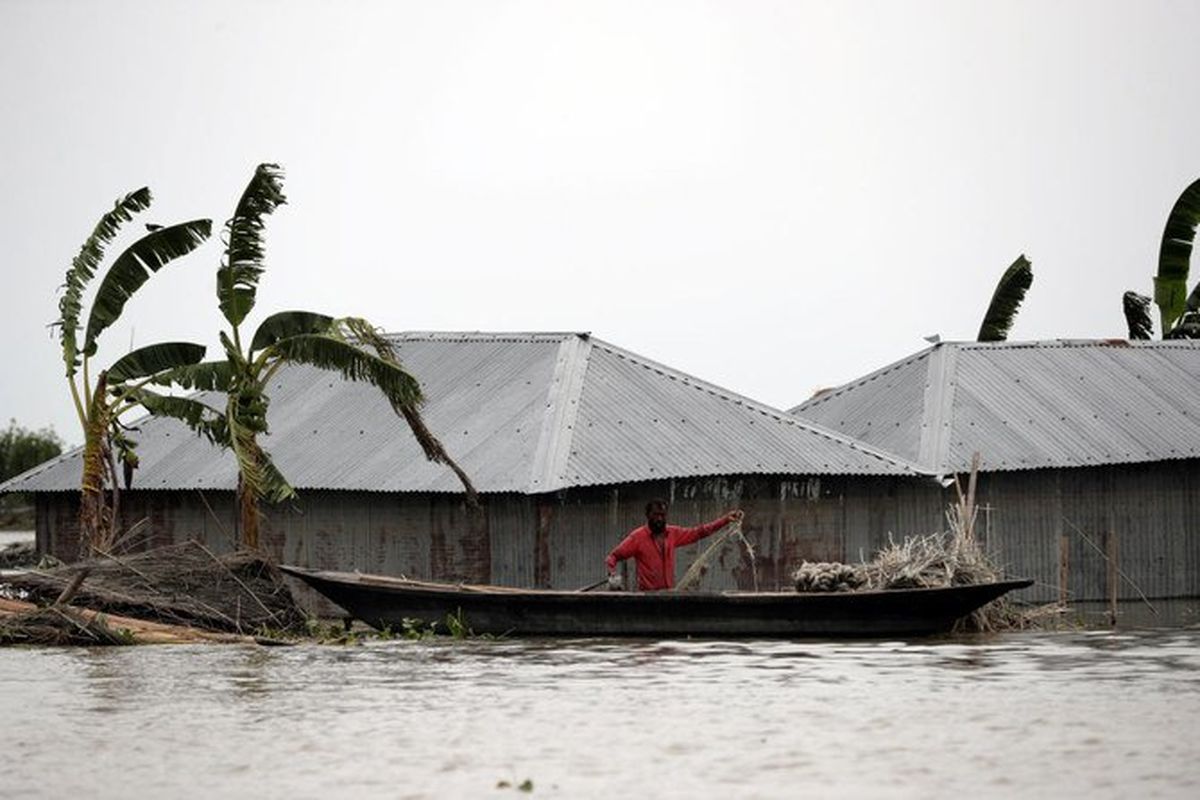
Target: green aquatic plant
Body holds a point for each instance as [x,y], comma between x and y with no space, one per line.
[416,629]
[457,626]
[524,786]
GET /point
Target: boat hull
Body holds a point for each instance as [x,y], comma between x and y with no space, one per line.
[384,602]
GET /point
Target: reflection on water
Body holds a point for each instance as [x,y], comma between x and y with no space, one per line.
[1046,715]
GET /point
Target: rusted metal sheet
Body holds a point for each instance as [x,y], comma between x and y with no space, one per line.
[512,525]
[559,540]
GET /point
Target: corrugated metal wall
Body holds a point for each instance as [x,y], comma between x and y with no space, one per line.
[1145,516]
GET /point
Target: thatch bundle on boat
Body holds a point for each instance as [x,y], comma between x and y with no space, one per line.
[917,562]
[922,562]
[184,584]
[825,576]
[941,559]
[927,561]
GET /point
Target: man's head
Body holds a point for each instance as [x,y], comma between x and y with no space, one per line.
[656,516]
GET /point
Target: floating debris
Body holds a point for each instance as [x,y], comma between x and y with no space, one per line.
[184,585]
[57,625]
[18,555]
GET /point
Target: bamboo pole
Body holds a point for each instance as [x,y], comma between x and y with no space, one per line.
[1111,553]
[1064,568]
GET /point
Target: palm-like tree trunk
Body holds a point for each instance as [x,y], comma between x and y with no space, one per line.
[248,514]
[95,519]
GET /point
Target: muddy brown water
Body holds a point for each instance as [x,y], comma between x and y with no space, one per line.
[1034,715]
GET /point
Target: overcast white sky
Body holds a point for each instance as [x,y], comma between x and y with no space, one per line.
[773,196]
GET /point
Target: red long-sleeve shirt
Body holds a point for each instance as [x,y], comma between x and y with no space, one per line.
[655,564]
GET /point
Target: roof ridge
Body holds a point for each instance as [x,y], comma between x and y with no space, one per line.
[562,408]
[937,408]
[1149,344]
[485,336]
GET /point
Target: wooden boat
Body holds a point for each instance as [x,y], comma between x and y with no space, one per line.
[382,601]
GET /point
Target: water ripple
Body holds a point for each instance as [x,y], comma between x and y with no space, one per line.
[1042,714]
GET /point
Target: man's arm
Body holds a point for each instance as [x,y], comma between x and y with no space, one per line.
[689,535]
[621,552]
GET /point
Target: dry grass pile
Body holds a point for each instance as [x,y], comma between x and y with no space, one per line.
[940,559]
[937,560]
[919,562]
[952,558]
[184,584]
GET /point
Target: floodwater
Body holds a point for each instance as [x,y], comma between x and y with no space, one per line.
[1038,715]
[15,537]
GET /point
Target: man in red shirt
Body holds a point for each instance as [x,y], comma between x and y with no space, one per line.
[653,546]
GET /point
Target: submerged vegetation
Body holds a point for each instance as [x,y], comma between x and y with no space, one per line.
[183,586]
[180,594]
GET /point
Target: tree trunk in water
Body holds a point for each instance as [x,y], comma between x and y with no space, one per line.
[248,515]
[95,517]
[95,520]
[91,496]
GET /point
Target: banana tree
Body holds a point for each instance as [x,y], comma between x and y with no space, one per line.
[99,405]
[1002,310]
[1178,311]
[349,346]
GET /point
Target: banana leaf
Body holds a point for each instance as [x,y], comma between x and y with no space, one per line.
[1174,257]
[83,269]
[1137,315]
[1010,291]
[154,358]
[288,323]
[133,268]
[237,278]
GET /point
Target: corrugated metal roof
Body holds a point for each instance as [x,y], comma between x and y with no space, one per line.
[520,412]
[1025,405]
[642,420]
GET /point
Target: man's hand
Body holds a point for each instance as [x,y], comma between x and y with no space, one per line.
[615,584]
[735,515]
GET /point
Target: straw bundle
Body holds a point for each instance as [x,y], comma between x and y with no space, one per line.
[824,576]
